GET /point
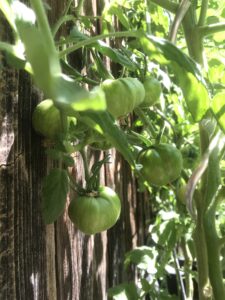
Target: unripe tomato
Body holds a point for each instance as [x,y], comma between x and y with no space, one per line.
[46,119]
[161,163]
[153,91]
[123,95]
[95,213]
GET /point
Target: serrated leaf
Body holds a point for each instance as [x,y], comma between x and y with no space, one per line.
[167,234]
[54,193]
[218,107]
[186,70]
[125,291]
[142,257]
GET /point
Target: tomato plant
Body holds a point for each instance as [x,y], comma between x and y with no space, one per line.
[161,164]
[186,118]
[95,212]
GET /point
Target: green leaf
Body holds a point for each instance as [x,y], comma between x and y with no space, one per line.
[54,193]
[70,97]
[9,13]
[44,65]
[195,94]
[66,93]
[142,257]
[118,11]
[125,291]
[186,70]
[114,54]
[105,124]
[168,233]
[218,107]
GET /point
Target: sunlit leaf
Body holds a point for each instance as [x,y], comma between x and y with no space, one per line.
[142,257]
[218,107]
[44,65]
[188,75]
[118,11]
[125,291]
[70,97]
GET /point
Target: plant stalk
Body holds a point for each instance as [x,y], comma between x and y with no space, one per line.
[94,39]
[188,262]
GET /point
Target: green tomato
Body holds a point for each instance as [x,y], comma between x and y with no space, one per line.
[153,91]
[123,95]
[161,163]
[46,119]
[95,213]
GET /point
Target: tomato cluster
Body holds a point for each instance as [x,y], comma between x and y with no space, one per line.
[98,210]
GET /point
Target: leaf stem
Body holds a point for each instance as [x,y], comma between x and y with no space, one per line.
[203,12]
[146,122]
[43,23]
[181,11]
[79,7]
[211,29]
[148,17]
[60,21]
[85,164]
[201,255]
[94,39]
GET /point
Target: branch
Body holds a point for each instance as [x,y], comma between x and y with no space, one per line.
[167,4]
[203,13]
[91,40]
[181,11]
[211,29]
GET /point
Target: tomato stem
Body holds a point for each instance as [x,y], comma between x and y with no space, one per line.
[146,122]
[91,40]
[85,165]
